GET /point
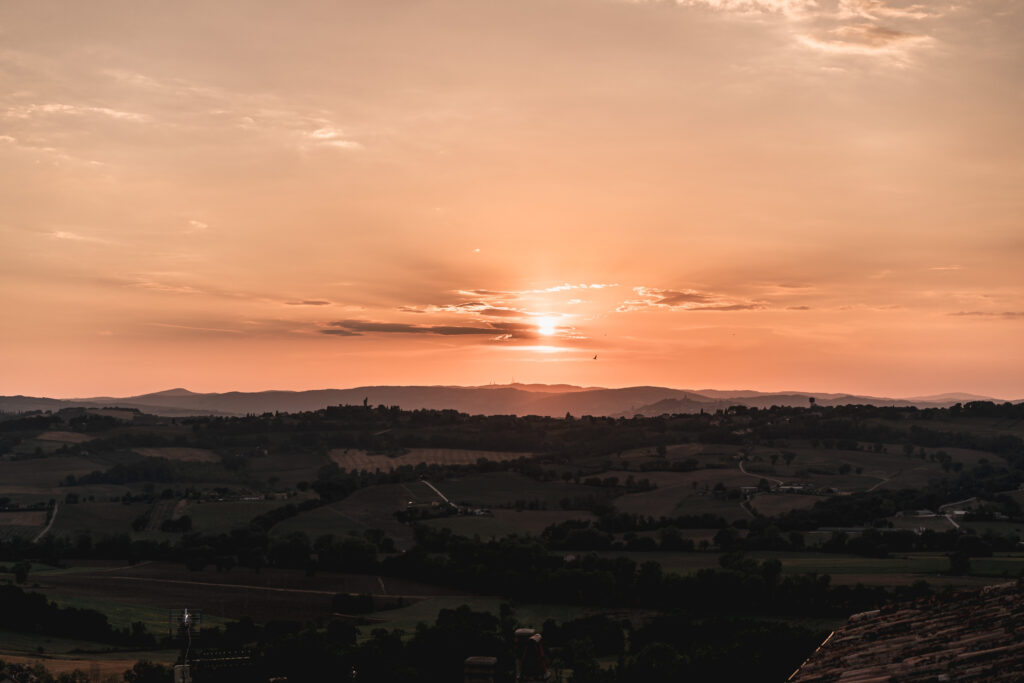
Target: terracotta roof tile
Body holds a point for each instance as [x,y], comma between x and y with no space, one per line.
[966,636]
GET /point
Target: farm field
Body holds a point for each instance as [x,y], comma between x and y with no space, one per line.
[99,667]
[26,518]
[26,525]
[848,569]
[65,437]
[96,518]
[771,504]
[222,517]
[287,470]
[995,526]
[891,470]
[493,489]
[373,507]
[914,523]
[425,611]
[42,476]
[61,655]
[180,454]
[505,522]
[685,493]
[269,594]
[357,460]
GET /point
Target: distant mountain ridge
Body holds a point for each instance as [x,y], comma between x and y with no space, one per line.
[508,399]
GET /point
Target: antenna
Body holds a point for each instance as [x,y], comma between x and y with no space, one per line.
[187,621]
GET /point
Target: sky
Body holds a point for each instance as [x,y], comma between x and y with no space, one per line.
[734,194]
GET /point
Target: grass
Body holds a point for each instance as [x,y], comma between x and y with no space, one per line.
[677,495]
[781,503]
[373,507]
[28,644]
[848,569]
[913,523]
[34,518]
[65,437]
[1008,565]
[179,454]
[505,522]
[42,474]
[997,527]
[124,614]
[96,518]
[330,519]
[505,488]
[215,518]
[11,532]
[286,469]
[358,460]
[426,611]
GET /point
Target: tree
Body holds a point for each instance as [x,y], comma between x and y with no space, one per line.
[148,672]
[21,572]
[959,563]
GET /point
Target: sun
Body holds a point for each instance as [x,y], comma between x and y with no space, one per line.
[546,326]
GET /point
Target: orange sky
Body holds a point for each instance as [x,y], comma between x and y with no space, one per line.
[761,194]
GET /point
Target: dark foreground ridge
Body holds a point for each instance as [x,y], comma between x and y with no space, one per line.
[961,636]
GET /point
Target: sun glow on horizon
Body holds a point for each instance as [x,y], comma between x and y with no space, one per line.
[547,326]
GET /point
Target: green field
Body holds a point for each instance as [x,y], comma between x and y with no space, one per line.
[287,470]
[685,493]
[896,570]
[425,611]
[505,522]
[221,517]
[96,518]
[42,475]
[996,527]
[373,507]
[505,488]
[124,614]
[772,504]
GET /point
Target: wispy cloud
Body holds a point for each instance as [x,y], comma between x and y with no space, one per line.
[309,302]
[685,300]
[786,7]
[496,331]
[989,314]
[197,329]
[467,307]
[28,111]
[516,293]
[874,9]
[67,235]
[842,27]
[867,39]
[329,136]
[158,286]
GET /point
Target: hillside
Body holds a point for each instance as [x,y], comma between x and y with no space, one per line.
[516,399]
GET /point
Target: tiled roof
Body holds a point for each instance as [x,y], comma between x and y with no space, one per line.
[964,636]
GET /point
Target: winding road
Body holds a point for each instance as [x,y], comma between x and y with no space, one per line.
[47,528]
[778,482]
